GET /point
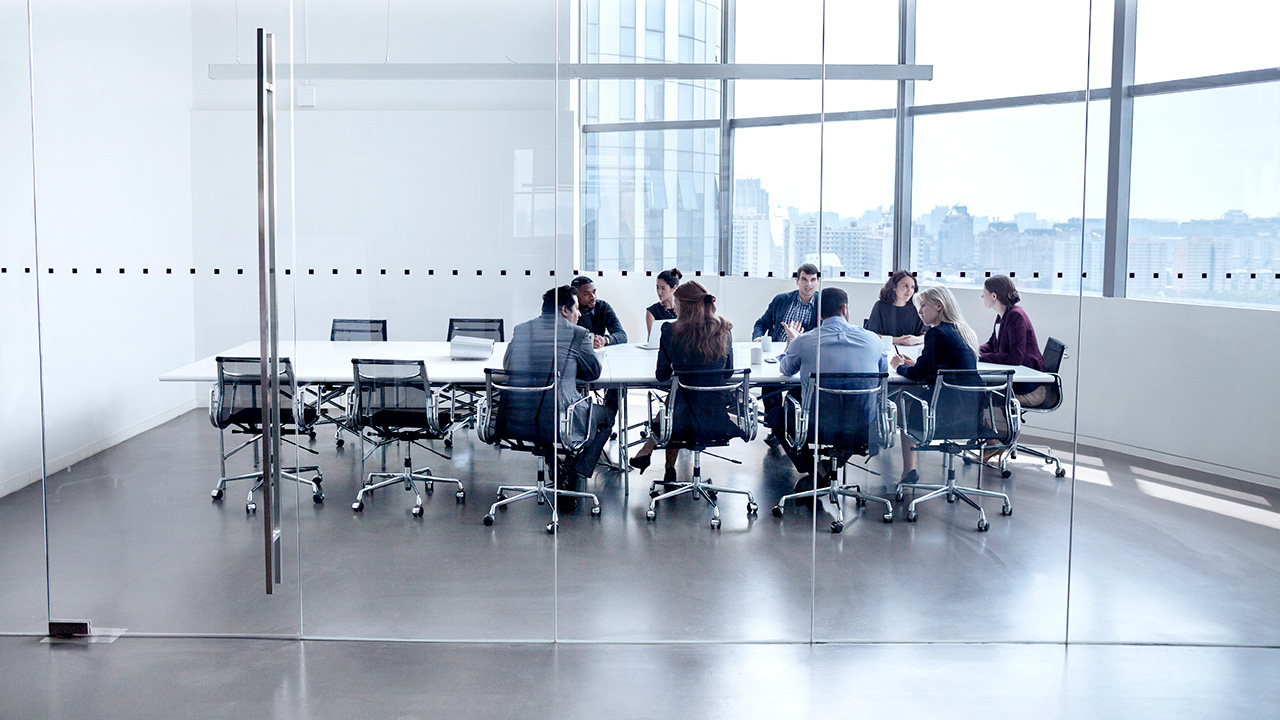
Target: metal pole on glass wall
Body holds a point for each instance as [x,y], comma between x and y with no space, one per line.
[1119,153]
[267,315]
[904,138]
[727,21]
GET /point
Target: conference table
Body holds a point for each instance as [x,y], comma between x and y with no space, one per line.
[621,366]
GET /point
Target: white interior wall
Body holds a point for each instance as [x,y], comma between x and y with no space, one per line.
[113,161]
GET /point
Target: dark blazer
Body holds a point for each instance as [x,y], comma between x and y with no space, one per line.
[543,346]
[1014,345]
[602,320]
[944,349]
[770,323]
[704,414]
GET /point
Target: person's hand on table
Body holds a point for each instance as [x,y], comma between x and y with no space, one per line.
[908,340]
[598,341]
[896,360]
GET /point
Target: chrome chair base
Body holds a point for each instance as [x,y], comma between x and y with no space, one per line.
[545,495]
[407,477]
[293,474]
[833,494]
[698,488]
[952,491]
[1046,454]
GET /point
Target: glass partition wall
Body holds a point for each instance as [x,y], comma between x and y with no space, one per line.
[449,162]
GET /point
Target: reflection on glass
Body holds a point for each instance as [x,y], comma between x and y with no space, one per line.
[1230,36]
[1204,213]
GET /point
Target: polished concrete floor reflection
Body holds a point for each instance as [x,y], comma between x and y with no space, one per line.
[1152,554]
[245,678]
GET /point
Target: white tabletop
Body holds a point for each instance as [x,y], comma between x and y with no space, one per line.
[322,361]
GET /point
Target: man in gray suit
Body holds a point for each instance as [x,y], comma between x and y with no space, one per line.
[554,343]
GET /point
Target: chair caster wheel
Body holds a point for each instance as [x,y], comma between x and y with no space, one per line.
[448,442]
[250,508]
[1048,461]
[899,496]
[715,523]
[912,516]
[1060,472]
[429,486]
[551,527]
[777,511]
[357,506]
[837,528]
[983,526]
[488,520]
[1006,510]
[1005,473]
[339,442]
[859,502]
[460,496]
[317,497]
[216,494]
[887,517]
[311,435]
[595,511]
[650,515]
[752,509]
[416,511]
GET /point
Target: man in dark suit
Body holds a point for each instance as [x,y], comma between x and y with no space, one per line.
[551,343]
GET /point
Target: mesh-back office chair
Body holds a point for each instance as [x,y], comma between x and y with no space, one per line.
[853,416]
[1054,351]
[519,412]
[392,401]
[704,409]
[328,397]
[486,328]
[968,408]
[235,404]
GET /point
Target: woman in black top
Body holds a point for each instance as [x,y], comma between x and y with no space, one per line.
[698,341]
[894,315]
[665,308]
[949,344]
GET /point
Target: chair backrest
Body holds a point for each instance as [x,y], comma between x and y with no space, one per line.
[708,408]
[973,406]
[351,329]
[518,407]
[851,410]
[487,328]
[238,394]
[392,395]
[1054,351]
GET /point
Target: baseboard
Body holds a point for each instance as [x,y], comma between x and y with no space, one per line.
[1089,441]
[21,480]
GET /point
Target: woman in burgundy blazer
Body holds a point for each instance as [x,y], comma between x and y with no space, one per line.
[1013,341]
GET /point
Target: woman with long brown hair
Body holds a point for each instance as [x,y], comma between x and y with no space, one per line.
[698,341]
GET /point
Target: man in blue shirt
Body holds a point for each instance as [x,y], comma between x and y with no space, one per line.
[789,311]
[844,348]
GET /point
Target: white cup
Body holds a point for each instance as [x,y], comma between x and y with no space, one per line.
[757,355]
[766,343]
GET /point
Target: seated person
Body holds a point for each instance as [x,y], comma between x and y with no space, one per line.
[1013,340]
[894,315]
[597,316]
[798,310]
[844,347]
[554,342]
[665,308]
[949,344]
[699,340]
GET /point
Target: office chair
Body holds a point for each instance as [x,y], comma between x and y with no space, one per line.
[1054,351]
[328,396]
[519,412]
[235,403]
[487,328]
[392,401]
[967,408]
[703,409]
[853,417]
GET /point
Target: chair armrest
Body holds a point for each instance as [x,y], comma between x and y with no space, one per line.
[662,433]
[566,425]
[888,425]
[801,431]
[215,405]
[926,419]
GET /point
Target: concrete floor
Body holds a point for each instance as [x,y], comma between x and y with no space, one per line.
[1150,554]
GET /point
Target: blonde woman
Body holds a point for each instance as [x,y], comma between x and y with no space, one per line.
[949,344]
